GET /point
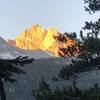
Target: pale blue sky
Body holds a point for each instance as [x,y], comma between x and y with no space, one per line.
[63,15]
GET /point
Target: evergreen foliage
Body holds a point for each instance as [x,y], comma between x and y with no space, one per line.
[9,67]
[87,60]
[44,92]
[92,5]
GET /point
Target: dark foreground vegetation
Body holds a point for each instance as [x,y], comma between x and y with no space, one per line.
[9,67]
[44,92]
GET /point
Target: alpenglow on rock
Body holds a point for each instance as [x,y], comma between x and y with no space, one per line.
[39,38]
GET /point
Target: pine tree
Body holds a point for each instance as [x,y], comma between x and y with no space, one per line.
[72,92]
[43,92]
[88,60]
[92,5]
[9,67]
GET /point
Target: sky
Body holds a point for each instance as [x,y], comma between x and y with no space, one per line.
[63,15]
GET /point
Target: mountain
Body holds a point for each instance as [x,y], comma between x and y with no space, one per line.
[37,37]
[8,51]
[47,68]
[41,67]
[49,39]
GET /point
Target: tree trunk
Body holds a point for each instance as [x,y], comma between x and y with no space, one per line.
[2,91]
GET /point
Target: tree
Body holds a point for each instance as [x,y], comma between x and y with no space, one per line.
[93,28]
[89,56]
[44,92]
[87,60]
[9,67]
[92,5]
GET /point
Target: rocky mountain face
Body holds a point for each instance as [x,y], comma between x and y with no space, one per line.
[49,39]
[38,38]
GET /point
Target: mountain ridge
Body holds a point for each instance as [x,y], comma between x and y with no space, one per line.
[8,51]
